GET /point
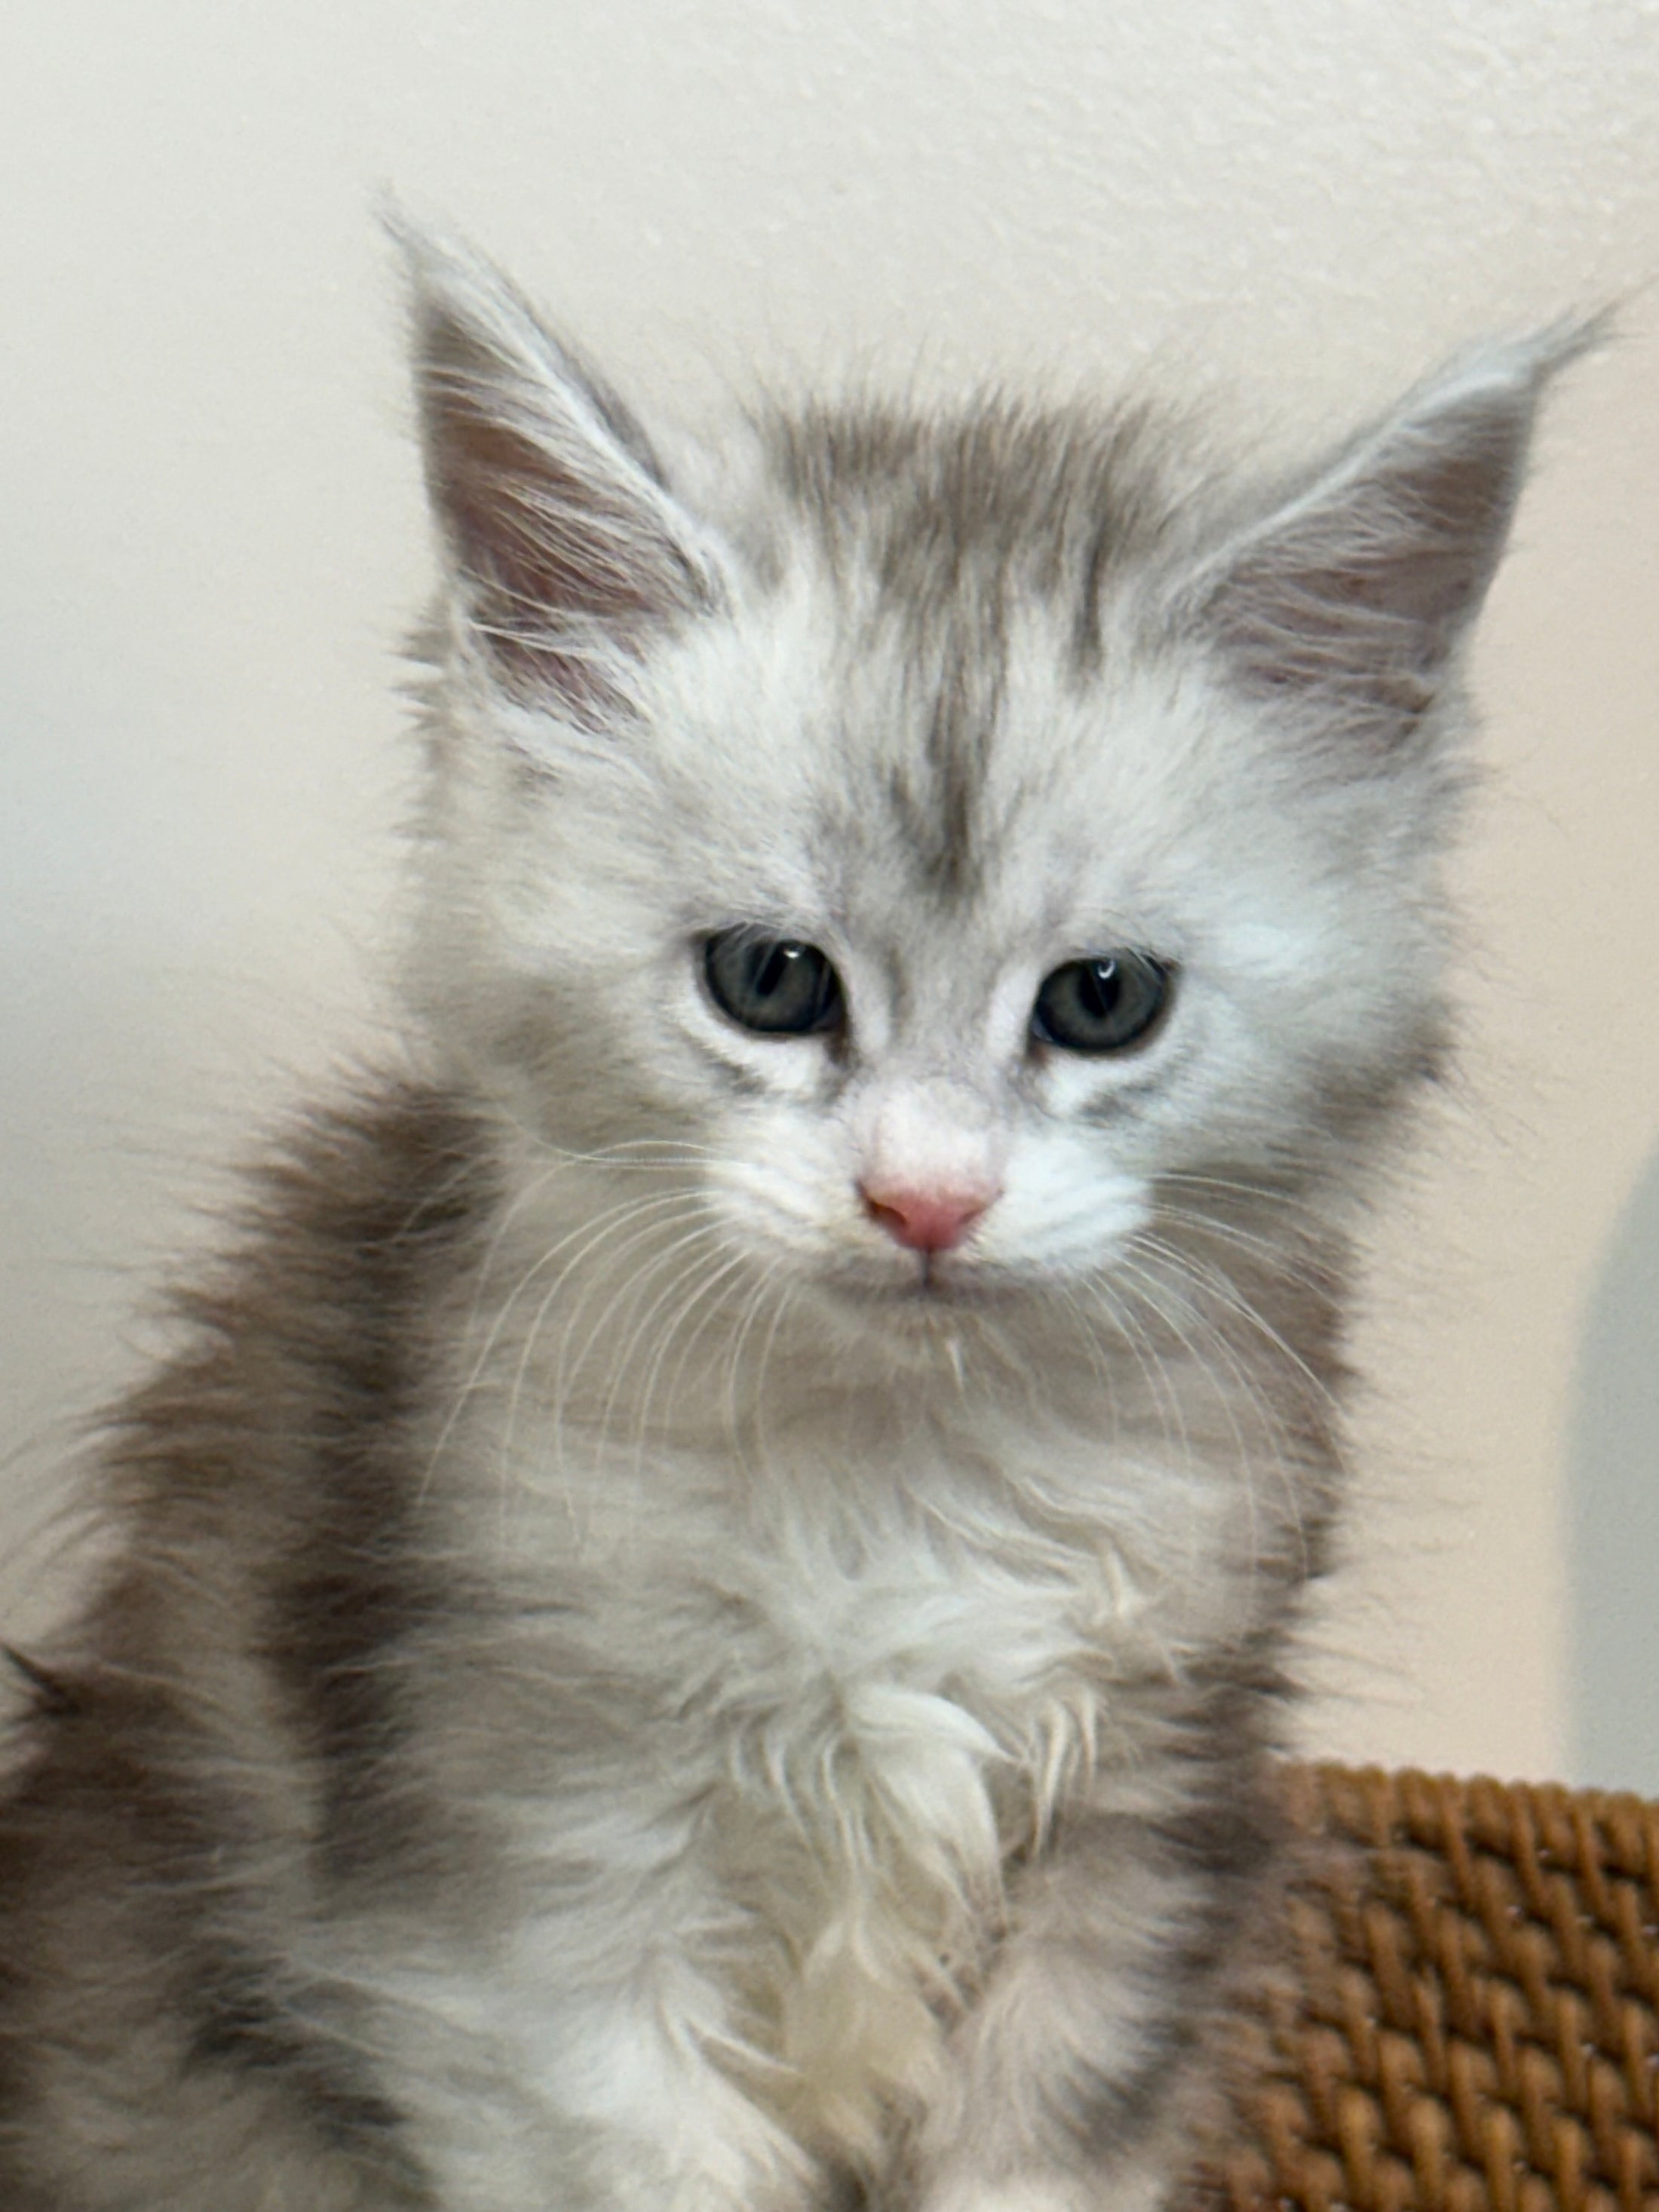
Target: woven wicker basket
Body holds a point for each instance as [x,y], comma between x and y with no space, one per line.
[1472,2022]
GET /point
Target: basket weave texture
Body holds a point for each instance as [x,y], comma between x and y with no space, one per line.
[1470,2021]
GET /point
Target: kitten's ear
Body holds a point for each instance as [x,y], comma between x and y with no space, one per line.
[1357,586]
[568,548]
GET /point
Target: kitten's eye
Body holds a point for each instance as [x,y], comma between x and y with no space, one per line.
[1103,1004]
[773,985]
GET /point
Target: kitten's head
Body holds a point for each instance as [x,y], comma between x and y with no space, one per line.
[966,848]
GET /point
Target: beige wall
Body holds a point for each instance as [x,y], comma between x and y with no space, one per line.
[210,539]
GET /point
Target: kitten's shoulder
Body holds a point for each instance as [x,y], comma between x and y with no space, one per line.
[218,1741]
[263,1481]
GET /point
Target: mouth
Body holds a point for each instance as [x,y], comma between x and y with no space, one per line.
[933,1286]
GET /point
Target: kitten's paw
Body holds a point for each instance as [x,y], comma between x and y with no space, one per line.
[1144,2188]
[1035,2192]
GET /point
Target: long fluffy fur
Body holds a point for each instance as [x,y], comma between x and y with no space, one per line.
[623,1687]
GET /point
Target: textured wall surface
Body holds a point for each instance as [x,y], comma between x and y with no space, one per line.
[211,538]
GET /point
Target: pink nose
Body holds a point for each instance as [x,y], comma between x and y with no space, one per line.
[932,1220]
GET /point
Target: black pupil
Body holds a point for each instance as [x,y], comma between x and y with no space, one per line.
[1103,1005]
[1099,988]
[775,986]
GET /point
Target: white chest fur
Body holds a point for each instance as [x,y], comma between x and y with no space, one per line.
[765,1883]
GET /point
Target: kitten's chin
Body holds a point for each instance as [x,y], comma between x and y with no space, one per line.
[914,1335]
[918,1310]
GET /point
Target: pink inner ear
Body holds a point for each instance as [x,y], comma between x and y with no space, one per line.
[1360,589]
[566,545]
[566,572]
[545,535]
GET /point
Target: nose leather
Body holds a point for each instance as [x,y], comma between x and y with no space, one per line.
[926,1219]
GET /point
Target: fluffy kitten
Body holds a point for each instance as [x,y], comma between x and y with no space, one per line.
[703,1598]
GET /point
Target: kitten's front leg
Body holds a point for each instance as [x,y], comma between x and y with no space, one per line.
[1078,2074]
[610,2104]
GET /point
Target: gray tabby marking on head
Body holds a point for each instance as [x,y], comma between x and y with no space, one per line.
[702,1606]
[954,520]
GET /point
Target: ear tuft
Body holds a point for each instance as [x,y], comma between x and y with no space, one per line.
[1358,585]
[568,550]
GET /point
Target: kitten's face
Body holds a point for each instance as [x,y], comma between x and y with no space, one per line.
[961,853]
[924,1075]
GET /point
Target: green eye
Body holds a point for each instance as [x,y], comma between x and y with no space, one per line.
[1103,1005]
[772,985]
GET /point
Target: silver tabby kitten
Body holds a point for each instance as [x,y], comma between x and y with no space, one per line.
[703,1600]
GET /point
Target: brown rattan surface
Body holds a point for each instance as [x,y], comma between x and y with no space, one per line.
[1470,2020]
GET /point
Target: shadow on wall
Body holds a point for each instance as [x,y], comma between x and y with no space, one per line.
[1613,1490]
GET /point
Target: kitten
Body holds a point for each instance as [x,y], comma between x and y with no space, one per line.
[704,1599]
